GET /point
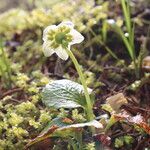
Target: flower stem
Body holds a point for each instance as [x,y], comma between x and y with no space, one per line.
[89,111]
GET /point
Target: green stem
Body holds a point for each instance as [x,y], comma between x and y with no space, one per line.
[103,44]
[73,144]
[136,68]
[129,42]
[78,137]
[4,78]
[89,111]
[6,63]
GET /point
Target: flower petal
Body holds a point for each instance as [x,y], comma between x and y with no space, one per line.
[47,49]
[61,53]
[77,37]
[46,30]
[67,23]
[111,21]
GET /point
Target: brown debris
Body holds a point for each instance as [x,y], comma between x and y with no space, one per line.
[116,101]
[146,64]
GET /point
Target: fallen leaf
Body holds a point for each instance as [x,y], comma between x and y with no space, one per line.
[116,101]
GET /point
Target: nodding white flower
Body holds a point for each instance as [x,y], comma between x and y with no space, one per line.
[58,38]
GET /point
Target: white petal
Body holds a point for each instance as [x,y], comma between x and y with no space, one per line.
[111,21]
[47,49]
[77,37]
[61,53]
[67,23]
[46,30]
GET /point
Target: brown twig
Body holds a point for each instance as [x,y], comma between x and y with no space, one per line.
[11,92]
[141,143]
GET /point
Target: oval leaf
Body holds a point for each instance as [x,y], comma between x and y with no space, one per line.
[64,94]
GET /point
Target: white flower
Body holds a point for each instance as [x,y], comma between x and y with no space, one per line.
[111,21]
[58,38]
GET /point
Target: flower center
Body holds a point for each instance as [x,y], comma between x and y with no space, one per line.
[60,37]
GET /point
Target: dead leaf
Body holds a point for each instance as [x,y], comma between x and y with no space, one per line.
[136,120]
[41,137]
[116,101]
[146,64]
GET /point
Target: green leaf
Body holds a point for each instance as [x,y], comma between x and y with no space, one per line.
[64,94]
[59,128]
[110,123]
[65,128]
[59,122]
[92,123]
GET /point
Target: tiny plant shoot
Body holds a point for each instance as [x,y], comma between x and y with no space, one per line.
[127,38]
